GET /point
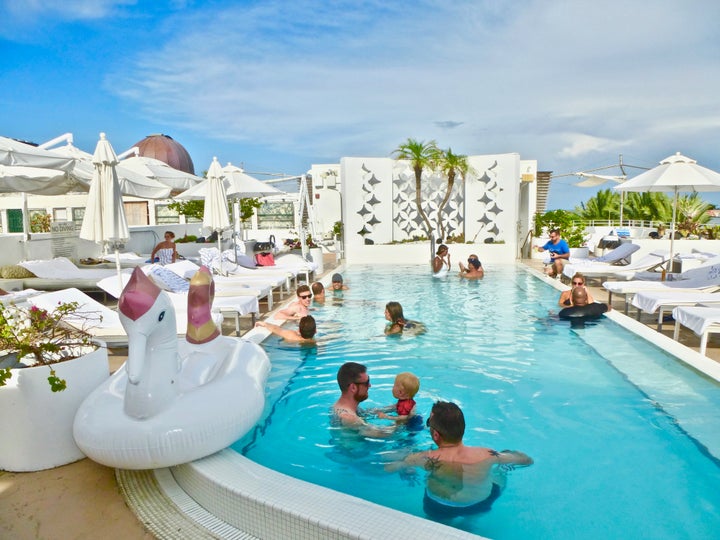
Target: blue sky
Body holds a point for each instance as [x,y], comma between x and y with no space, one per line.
[277,86]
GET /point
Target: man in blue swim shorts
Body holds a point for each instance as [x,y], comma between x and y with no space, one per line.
[461,479]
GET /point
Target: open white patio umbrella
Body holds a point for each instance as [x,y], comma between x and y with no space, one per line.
[215,213]
[16,153]
[104,221]
[175,179]
[238,185]
[675,174]
[131,182]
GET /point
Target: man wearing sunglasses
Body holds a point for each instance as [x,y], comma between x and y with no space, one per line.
[462,479]
[354,383]
[299,308]
[559,253]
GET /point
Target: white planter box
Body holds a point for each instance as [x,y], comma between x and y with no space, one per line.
[316,256]
[36,423]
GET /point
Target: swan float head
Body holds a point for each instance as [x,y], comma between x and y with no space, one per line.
[152,365]
[148,316]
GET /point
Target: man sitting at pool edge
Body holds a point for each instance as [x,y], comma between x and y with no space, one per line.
[305,333]
[462,479]
[354,383]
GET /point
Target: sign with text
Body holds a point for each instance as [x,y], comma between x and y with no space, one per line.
[64,239]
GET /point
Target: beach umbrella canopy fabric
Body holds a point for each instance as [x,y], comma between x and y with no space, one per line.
[594,180]
[104,221]
[675,174]
[131,182]
[175,179]
[15,153]
[243,186]
[38,181]
[237,184]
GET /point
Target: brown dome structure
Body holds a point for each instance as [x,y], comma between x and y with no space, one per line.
[165,148]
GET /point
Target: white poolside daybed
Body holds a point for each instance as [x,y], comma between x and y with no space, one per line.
[702,320]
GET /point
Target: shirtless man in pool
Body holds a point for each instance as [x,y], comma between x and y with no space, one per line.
[354,383]
[462,479]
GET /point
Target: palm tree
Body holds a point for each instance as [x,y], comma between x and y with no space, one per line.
[450,165]
[648,206]
[603,205]
[692,212]
[421,155]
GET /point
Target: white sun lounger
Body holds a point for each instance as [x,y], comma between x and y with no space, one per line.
[61,273]
[701,279]
[702,320]
[236,306]
[591,269]
[662,301]
[262,287]
[98,320]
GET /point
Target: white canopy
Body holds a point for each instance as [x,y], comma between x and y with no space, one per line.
[158,170]
[131,182]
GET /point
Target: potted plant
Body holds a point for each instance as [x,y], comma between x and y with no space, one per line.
[42,353]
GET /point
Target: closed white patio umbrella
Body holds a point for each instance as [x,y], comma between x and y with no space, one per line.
[675,174]
[104,221]
[215,213]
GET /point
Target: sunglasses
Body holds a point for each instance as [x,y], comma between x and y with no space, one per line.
[578,283]
[366,383]
[305,296]
[472,260]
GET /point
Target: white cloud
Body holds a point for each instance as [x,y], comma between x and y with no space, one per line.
[557,81]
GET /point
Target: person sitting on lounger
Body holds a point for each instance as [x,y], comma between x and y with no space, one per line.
[165,251]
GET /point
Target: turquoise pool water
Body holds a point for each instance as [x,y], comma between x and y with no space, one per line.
[623,436]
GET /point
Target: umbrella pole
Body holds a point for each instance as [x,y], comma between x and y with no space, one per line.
[117,267]
[672,230]
[220,270]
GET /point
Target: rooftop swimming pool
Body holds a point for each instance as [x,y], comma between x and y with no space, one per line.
[626,440]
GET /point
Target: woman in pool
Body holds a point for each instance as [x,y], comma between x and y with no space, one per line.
[398,322]
[578,280]
[441,262]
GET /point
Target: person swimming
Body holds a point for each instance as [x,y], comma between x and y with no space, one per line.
[398,322]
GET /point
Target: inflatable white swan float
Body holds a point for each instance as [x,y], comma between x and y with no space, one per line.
[174,400]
